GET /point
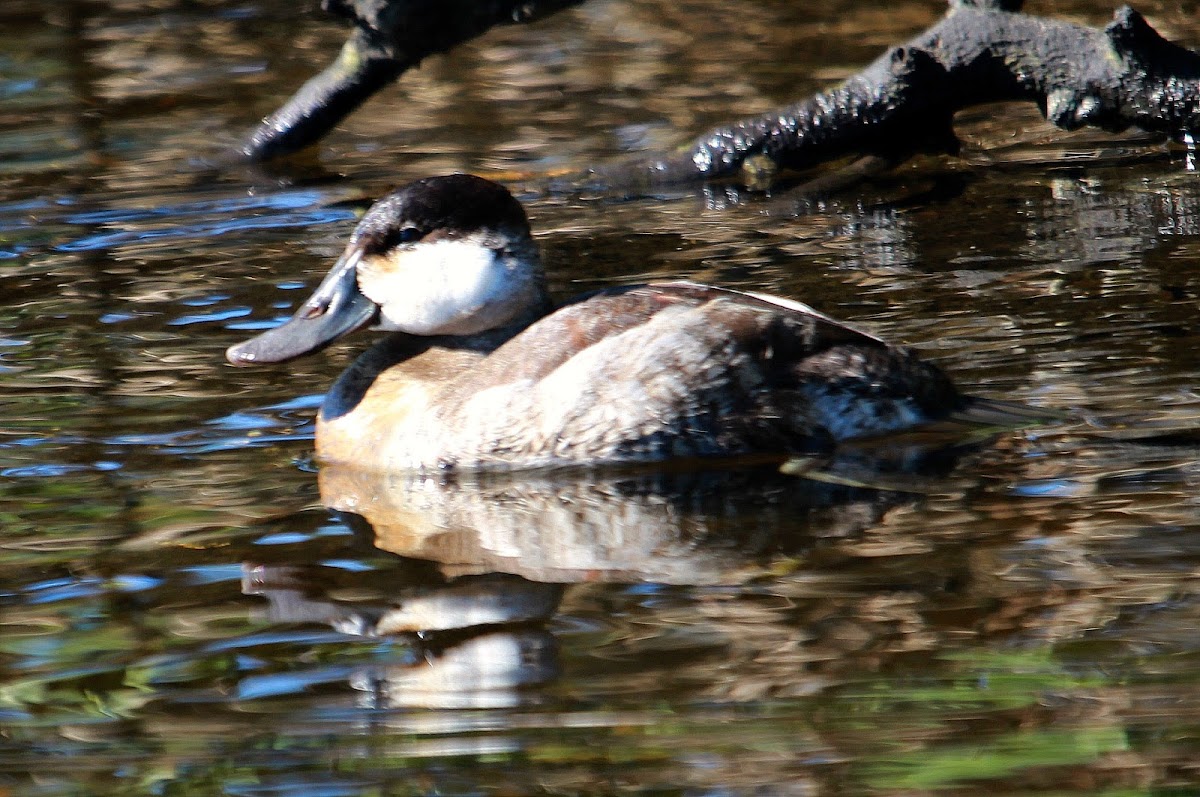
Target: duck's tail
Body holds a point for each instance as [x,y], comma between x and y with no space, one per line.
[977,420]
[1000,415]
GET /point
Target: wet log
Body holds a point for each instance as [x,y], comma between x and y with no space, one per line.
[984,51]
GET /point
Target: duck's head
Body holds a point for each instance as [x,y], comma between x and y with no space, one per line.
[445,255]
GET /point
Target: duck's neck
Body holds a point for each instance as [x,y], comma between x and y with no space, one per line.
[348,391]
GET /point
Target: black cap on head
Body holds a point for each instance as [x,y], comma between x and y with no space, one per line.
[450,204]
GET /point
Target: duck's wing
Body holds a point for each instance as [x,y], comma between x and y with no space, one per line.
[826,331]
[602,315]
[677,370]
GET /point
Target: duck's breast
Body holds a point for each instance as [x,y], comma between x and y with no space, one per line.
[380,413]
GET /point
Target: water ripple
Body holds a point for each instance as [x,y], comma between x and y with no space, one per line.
[209,229]
[204,318]
[290,200]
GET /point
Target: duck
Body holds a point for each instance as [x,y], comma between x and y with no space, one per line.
[481,370]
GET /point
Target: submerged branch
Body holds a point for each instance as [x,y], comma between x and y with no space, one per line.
[1124,75]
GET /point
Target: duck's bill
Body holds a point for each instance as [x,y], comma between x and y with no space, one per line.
[335,309]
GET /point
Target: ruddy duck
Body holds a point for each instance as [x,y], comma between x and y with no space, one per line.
[482,371]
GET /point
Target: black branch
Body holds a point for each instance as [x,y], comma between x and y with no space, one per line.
[1124,75]
[984,51]
[389,38]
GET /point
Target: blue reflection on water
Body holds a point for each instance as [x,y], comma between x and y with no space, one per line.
[283,538]
[208,229]
[65,589]
[43,470]
[199,575]
[227,215]
[205,301]
[289,200]
[262,323]
[1049,488]
[274,638]
[251,425]
[11,88]
[216,315]
[309,401]
[116,318]
[349,565]
[244,421]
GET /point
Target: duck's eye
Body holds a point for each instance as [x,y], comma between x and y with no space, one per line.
[406,235]
[380,242]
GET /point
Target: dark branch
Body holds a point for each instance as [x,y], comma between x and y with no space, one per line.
[389,37]
[1125,75]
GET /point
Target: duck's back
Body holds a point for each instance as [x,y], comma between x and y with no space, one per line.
[665,371]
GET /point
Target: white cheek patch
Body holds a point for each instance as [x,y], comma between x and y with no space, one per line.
[436,288]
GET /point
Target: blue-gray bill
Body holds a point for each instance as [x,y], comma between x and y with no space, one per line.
[336,308]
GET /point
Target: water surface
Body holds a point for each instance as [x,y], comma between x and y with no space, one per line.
[188,606]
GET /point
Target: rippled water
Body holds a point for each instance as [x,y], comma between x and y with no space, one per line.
[188,606]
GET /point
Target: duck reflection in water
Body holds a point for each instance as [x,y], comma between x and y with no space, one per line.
[483,373]
[484,559]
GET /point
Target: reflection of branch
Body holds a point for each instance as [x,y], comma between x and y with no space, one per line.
[389,37]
